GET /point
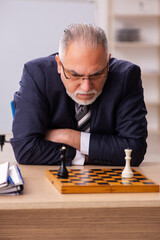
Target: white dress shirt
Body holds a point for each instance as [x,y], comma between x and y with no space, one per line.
[84,149]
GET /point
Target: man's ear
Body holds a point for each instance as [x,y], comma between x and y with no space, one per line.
[59,64]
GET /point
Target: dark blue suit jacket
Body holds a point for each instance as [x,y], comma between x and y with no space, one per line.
[118,115]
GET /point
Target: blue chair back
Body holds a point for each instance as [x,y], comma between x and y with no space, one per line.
[13,108]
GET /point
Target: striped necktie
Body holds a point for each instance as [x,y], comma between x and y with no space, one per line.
[83,116]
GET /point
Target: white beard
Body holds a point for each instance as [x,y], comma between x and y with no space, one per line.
[81,102]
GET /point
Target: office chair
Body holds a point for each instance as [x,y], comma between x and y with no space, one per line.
[13,108]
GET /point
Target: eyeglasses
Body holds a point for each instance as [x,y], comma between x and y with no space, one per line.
[76,77]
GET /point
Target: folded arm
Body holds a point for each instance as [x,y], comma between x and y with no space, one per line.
[65,136]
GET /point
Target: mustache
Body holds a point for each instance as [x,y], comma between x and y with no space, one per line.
[81,102]
[83,92]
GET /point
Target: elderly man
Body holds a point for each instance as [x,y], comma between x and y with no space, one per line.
[83,99]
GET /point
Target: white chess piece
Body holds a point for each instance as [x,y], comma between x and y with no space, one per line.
[127,172]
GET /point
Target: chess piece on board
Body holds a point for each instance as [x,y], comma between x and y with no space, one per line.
[63,172]
[127,172]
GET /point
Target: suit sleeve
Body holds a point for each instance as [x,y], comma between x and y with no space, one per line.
[31,122]
[130,129]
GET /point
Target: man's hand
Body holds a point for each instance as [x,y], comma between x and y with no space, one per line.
[66,136]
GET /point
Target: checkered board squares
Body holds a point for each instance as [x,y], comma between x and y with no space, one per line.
[101,181]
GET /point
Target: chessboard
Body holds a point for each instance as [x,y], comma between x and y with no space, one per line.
[101,181]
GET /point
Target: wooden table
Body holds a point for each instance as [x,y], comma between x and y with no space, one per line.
[44,213]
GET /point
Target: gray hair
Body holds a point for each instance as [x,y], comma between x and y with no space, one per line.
[87,34]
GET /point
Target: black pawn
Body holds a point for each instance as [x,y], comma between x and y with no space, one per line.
[63,172]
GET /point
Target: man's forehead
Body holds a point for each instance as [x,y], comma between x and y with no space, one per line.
[82,53]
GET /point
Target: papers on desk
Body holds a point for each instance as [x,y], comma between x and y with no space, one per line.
[11,181]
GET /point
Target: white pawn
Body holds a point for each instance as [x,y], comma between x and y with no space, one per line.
[127,172]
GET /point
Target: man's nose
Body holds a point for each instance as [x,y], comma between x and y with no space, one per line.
[86,84]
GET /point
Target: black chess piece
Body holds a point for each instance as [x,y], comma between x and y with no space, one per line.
[63,172]
[3,141]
